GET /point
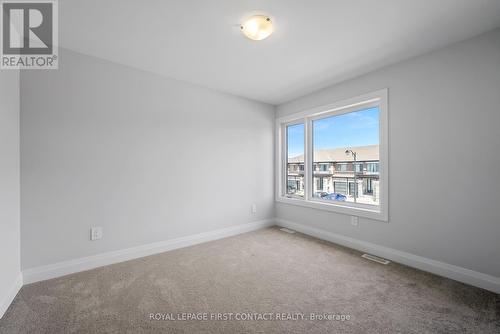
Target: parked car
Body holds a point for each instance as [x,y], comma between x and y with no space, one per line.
[335,197]
[320,194]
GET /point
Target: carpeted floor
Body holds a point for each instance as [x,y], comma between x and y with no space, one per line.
[263,274]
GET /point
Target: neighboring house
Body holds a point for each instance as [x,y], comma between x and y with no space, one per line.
[334,172]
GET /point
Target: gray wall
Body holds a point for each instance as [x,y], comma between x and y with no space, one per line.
[9,183]
[147,158]
[444,156]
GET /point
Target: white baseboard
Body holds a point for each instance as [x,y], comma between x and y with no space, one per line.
[11,294]
[457,273]
[41,273]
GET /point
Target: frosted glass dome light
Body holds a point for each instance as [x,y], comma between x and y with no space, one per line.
[257,27]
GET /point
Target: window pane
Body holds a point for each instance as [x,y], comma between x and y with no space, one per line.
[295,158]
[352,176]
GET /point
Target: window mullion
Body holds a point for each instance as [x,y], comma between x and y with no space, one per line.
[308,156]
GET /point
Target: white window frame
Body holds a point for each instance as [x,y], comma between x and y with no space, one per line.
[379,99]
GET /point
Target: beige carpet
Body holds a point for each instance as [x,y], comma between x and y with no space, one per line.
[264,274]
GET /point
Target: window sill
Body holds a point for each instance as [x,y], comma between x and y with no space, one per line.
[338,208]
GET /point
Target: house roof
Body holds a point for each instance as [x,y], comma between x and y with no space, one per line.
[364,153]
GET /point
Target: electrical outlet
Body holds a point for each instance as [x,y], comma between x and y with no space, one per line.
[95,233]
[354,221]
[254,208]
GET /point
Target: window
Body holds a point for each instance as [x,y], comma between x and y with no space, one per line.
[319,184]
[295,156]
[324,167]
[353,191]
[368,186]
[359,168]
[341,151]
[341,167]
[349,140]
[372,167]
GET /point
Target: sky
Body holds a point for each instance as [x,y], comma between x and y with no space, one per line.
[348,130]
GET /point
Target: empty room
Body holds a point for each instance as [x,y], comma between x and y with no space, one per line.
[236,166]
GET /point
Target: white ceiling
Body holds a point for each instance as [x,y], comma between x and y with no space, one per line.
[315,44]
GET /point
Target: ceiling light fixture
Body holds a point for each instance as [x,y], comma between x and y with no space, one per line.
[257,27]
